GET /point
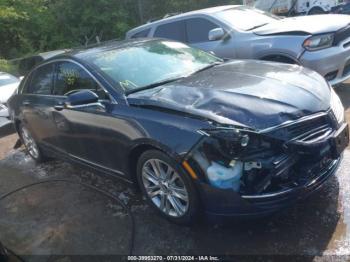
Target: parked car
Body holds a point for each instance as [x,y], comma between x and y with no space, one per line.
[189,129]
[8,86]
[343,8]
[317,42]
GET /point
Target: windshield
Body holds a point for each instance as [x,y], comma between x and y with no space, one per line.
[146,64]
[246,18]
[6,79]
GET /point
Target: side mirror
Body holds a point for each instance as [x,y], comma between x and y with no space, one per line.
[216,34]
[82,97]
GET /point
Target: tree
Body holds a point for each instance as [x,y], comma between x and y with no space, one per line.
[31,26]
[80,24]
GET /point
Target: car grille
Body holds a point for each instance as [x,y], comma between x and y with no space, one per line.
[306,129]
[341,35]
[306,154]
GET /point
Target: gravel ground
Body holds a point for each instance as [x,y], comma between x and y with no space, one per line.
[68,219]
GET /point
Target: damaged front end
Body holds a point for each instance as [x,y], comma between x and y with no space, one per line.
[269,164]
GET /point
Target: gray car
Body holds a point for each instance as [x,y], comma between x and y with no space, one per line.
[8,86]
[320,42]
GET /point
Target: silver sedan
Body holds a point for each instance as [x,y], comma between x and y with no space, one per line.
[320,42]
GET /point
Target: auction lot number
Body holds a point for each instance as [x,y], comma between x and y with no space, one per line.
[172,258]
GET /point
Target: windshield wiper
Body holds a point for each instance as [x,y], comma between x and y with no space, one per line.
[207,67]
[166,81]
[153,85]
[255,27]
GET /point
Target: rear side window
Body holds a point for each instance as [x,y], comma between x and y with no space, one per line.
[174,31]
[198,29]
[143,33]
[71,77]
[41,81]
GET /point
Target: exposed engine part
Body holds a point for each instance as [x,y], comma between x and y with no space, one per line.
[252,165]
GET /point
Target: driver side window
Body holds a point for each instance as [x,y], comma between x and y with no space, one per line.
[71,77]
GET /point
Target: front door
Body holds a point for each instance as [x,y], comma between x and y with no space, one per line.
[197,35]
[85,131]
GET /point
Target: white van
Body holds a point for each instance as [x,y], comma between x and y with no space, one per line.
[294,7]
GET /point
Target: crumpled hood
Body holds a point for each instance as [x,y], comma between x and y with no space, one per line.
[7,91]
[249,93]
[315,24]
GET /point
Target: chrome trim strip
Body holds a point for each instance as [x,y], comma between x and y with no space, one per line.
[267,195]
[94,164]
[53,96]
[85,105]
[290,123]
[272,128]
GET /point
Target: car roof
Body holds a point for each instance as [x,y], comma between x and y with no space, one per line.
[80,53]
[208,11]
[49,54]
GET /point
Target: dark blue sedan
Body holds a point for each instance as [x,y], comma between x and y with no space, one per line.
[192,131]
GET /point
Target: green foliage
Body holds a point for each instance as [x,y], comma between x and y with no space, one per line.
[6,66]
[31,26]
[158,8]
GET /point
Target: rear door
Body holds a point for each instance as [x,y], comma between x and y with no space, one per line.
[173,30]
[37,105]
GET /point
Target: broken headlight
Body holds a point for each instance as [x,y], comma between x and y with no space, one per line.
[224,155]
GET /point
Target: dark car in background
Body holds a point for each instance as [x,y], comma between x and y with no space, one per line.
[343,8]
[192,131]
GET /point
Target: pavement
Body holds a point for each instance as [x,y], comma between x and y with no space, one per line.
[69,219]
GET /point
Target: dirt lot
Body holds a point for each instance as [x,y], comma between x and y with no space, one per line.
[62,219]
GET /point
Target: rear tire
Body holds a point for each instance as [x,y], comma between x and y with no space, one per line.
[167,188]
[31,145]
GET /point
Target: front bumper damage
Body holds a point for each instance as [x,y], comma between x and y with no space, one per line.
[284,165]
[228,203]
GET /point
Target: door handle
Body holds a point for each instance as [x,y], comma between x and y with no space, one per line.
[25,103]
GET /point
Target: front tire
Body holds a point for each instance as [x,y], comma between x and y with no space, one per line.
[31,145]
[167,187]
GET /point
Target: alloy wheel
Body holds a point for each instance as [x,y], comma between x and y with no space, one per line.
[165,188]
[30,143]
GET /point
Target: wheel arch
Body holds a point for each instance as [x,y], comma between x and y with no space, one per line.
[284,58]
[316,8]
[138,149]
